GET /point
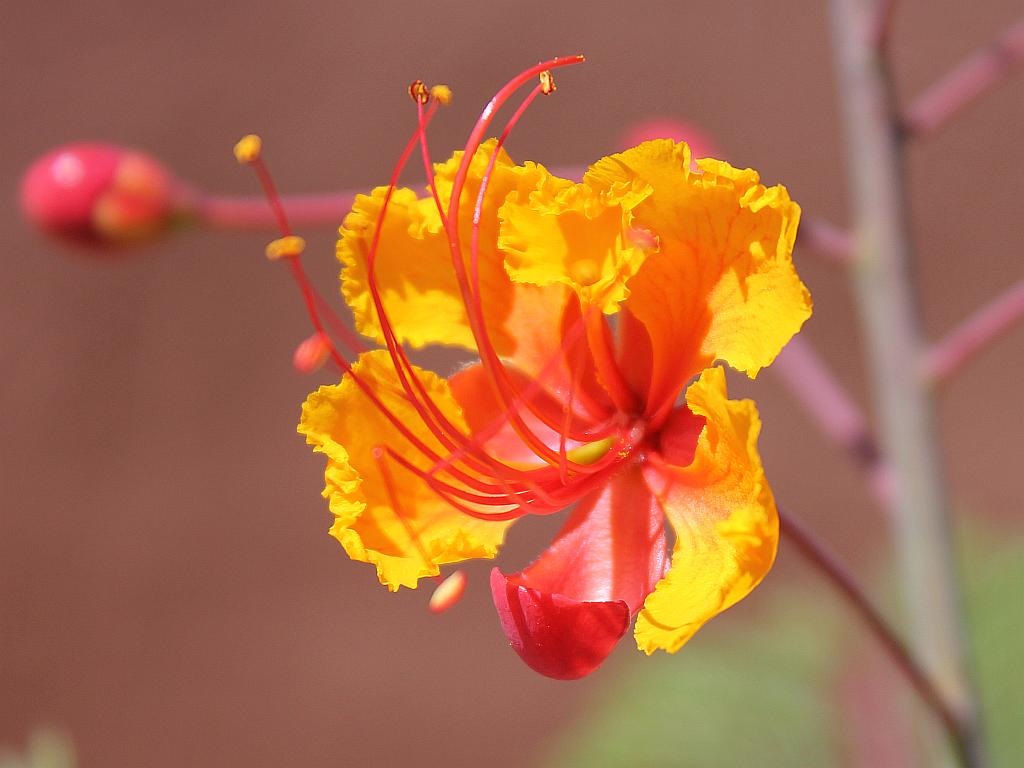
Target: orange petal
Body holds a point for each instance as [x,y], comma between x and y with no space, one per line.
[724,518]
[413,267]
[551,348]
[394,521]
[574,235]
[722,285]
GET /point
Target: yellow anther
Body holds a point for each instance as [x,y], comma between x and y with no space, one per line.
[448,592]
[312,353]
[442,93]
[286,248]
[590,452]
[547,82]
[419,92]
[248,149]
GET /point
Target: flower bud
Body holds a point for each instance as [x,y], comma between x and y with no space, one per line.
[99,194]
[701,143]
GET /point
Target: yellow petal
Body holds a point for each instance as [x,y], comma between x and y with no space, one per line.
[724,517]
[722,284]
[574,235]
[413,267]
[406,530]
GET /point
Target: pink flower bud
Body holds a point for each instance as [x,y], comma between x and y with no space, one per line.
[98,194]
[701,143]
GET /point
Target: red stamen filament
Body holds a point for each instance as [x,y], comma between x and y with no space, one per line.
[313,300]
[394,500]
[599,340]
[431,416]
[488,355]
[511,491]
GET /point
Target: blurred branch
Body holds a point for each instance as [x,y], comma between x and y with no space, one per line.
[235,213]
[971,78]
[881,268]
[825,239]
[881,23]
[821,557]
[830,406]
[303,211]
[948,355]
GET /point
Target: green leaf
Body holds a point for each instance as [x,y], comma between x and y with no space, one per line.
[740,693]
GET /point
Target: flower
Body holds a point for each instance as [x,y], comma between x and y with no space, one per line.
[597,309]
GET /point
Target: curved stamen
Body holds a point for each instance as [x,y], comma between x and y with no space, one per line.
[468,450]
[599,340]
[488,355]
[313,301]
[500,381]
[436,421]
[415,393]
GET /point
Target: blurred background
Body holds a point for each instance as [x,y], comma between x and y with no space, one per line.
[168,593]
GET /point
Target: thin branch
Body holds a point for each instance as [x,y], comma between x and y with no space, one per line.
[825,239]
[832,408]
[821,557]
[948,355]
[244,213]
[306,211]
[891,326]
[971,78]
[881,23]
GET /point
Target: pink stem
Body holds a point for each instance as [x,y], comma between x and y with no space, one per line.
[825,239]
[820,556]
[834,411]
[949,355]
[326,210]
[971,78]
[218,212]
[881,23]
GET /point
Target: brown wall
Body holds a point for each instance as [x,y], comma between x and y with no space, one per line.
[167,590]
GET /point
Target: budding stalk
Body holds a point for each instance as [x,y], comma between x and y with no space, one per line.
[101,194]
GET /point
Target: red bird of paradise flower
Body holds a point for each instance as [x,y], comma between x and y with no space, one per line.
[597,310]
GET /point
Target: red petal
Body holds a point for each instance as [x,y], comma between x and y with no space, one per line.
[564,612]
[612,547]
[556,635]
[677,439]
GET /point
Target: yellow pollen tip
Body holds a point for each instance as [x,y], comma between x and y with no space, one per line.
[448,592]
[248,149]
[584,272]
[547,82]
[419,92]
[591,452]
[442,93]
[285,248]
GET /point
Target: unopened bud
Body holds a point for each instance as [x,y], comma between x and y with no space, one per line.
[99,194]
[642,238]
[312,353]
[700,141]
[448,592]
